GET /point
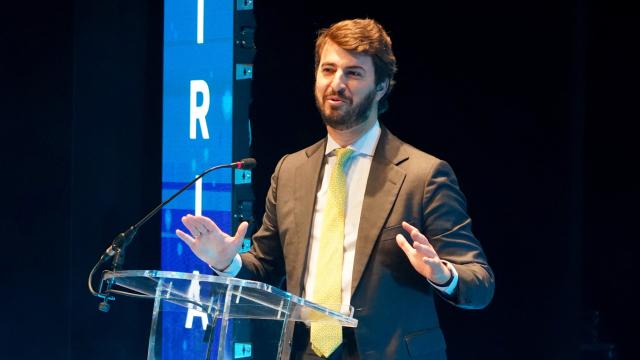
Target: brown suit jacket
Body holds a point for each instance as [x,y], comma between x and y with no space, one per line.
[393,303]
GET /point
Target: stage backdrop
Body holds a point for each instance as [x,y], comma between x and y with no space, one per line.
[198,132]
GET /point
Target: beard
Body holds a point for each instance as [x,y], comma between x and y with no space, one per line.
[350,115]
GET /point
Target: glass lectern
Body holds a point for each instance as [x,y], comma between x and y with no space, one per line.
[225,318]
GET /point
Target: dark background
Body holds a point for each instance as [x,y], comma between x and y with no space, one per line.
[532,102]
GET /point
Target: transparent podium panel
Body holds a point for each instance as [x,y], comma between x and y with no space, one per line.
[184,333]
[212,317]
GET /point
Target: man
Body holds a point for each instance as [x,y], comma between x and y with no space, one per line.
[360,218]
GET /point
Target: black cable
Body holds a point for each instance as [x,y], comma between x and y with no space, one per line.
[107,294]
[91,274]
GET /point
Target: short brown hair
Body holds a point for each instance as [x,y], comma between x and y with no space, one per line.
[363,36]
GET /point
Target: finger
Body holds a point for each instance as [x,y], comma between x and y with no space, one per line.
[198,224]
[419,237]
[415,234]
[408,227]
[185,237]
[203,224]
[425,250]
[188,222]
[203,229]
[404,245]
[209,224]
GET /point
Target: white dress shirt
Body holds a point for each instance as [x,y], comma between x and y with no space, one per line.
[357,174]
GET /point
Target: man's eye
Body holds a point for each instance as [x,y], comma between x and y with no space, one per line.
[354,73]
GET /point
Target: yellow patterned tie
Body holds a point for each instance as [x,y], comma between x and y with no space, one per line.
[326,337]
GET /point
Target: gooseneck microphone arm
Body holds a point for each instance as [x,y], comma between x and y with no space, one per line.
[122,240]
[247,164]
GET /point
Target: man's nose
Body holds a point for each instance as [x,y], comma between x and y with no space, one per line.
[338,82]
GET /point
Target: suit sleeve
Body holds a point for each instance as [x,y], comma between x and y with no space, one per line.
[448,228]
[265,261]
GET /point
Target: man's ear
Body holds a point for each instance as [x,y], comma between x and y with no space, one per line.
[381,89]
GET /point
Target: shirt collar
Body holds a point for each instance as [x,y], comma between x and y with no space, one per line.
[365,145]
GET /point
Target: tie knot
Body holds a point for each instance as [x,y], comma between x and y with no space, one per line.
[343,154]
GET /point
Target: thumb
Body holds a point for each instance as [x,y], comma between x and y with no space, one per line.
[241,232]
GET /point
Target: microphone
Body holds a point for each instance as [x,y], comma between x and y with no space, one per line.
[247,164]
[120,242]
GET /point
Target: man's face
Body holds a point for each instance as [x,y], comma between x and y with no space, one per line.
[345,87]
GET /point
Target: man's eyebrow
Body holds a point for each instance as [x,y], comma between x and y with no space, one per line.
[356,67]
[351,67]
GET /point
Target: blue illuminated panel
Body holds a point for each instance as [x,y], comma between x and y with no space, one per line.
[197,134]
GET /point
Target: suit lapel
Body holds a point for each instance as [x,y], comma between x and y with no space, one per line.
[307,176]
[383,186]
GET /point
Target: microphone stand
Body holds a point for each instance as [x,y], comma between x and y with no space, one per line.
[122,240]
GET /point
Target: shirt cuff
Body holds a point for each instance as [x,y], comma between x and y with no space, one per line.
[449,289]
[232,270]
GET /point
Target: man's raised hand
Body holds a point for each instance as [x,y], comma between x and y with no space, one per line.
[209,243]
[423,256]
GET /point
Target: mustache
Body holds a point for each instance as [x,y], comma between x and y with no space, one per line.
[338,95]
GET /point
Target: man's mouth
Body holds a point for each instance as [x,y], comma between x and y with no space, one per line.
[336,100]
